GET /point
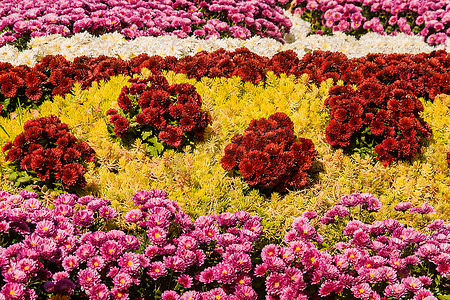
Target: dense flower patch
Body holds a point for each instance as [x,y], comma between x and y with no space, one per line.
[64,251]
[162,115]
[269,156]
[387,89]
[429,19]
[47,153]
[20,20]
[428,73]
[384,119]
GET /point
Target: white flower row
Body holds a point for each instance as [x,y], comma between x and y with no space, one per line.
[298,40]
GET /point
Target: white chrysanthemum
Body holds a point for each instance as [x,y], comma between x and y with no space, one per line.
[8,53]
[28,57]
[266,47]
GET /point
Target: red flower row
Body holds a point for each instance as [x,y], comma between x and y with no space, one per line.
[268,155]
[413,76]
[47,148]
[427,74]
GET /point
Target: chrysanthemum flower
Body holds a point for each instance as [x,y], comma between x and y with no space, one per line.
[111,250]
[70,263]
[31,204]
[122,281]
[157,269]
[99,292]
[88,277]
[64,286]
[13,290]
[270,250]
[45,228]
[157,235]
[107,212]
[187,242]
[275,282]
[395,290]
[412,284]
[130,262]
[27,265]
[185,280]
[133,216]
[85,251]
[224,273]
[361,290]
[207,275]
[118,294]
[15,275]
[96,262]
[129,242]
[245,293]
[422,294]
[190,295]
[170,295]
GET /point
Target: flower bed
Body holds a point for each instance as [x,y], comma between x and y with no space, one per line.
[66,251]
[285,175]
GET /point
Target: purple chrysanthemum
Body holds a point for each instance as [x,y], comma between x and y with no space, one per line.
[403,206]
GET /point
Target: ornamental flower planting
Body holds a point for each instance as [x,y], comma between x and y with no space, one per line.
[427,75]
[162,115]
[378,260]
[46,153]
[62,251]
[20,86]
[24,19]
[428,19]
[376,118]
[68,251]
[269,156]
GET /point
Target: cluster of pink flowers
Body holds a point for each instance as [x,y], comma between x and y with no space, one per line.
[382,260]
[216,256]
[24,19]
[429,19]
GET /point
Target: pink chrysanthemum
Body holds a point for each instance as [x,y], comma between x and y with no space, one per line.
[185,280]
[122,281]
[395,290]
[157,269]
[361,290]
[170,295]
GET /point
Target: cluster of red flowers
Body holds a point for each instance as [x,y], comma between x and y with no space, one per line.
[388,86]
[427,73]
[448,158]
[387,116]
[53,75]
[47,149]
[170,112]
[268,155]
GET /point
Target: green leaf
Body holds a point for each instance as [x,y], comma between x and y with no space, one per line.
[4,130]
[13,176]
[146,134]
[24,179]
